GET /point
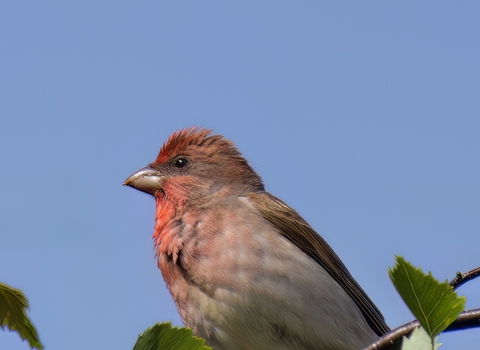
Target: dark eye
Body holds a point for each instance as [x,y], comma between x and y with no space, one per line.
[180,162]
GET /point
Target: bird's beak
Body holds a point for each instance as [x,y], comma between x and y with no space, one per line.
[147,180]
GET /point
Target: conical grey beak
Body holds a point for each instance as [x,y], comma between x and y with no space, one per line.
[147,180]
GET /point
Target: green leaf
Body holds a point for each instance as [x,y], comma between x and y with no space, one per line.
[419,340]
[163,336]
[13,305]
[434,304]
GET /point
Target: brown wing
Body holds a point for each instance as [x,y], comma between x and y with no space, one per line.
[297,230]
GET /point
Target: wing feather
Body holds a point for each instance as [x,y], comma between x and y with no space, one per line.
[298,231]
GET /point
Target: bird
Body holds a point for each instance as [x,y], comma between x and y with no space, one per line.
[244,269]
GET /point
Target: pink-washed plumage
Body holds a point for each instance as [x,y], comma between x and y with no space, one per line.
[244,269]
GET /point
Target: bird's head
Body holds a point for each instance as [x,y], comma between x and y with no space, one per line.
[192,164]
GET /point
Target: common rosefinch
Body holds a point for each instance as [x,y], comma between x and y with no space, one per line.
[244,269]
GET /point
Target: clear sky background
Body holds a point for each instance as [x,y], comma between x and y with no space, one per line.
[363,116]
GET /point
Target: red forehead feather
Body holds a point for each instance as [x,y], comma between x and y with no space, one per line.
[181,139]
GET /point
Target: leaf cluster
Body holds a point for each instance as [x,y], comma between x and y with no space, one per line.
[163,336]
[434,304]
[13,306]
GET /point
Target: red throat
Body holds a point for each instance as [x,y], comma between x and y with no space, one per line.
[169,208]
[165,214]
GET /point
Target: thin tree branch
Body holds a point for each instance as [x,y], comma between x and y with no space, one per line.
[462,278]
[466,319]
[393,339]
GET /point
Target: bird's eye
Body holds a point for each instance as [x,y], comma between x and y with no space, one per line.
[180,162]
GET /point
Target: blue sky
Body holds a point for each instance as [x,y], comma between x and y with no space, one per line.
[363,116]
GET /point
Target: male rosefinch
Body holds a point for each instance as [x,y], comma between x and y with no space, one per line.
[244,269]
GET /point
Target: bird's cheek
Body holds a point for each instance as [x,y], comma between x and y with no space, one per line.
[177,191]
